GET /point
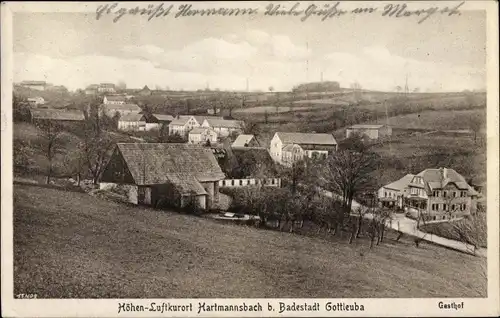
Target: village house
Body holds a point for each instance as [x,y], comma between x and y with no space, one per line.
[36,85]
[393,195]
[295,146]
[370,131]
[123,109]
[35,101]
[159,121]
[183,124]
[56,115]
[91,89]
[114,100]
[244,140]
[132,122]
[224,127]
[438,194]
[106,88]
[202,135]
[164,174]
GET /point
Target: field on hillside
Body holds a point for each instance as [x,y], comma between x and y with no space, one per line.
[433,120]
[412,153]
[72,245]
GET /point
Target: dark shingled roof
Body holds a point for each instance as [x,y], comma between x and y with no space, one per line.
[130,107]
[56,114]
[439,178]
[306,138]
[157,163]
[132,117]
[163,117]
[116,98]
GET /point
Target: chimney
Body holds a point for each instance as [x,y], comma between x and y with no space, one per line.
[445,173]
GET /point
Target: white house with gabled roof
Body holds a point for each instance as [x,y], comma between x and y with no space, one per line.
[310,145]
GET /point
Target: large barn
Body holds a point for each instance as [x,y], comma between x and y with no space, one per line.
[164,174]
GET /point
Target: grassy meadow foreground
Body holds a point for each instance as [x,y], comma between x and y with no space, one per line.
[72,245]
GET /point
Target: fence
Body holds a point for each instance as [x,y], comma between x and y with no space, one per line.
[269,182]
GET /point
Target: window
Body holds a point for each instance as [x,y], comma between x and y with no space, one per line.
[453,207]
[444,194]
[454,194]
[414,191]
[445,207]
[385,194]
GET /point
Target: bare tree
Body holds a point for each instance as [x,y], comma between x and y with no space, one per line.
[346,173]
[475,124]
[51,132]
[95,147]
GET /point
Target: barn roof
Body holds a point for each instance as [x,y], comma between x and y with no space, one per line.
[186,184]
[116,98]
[306,138]
[224,123]
[198,118]
[154,163]
[198,130]
[242,140]
[163,117]
[440,178]
[401,183]
[129,107]
[56,114]
[361,126]
[132,117]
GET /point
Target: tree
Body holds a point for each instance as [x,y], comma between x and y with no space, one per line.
[20,109]
[51,132]
[96,147]
[399,88]
[356,88]
[121,85]
[475,124]
[271,89]
[277,102]
[346,173]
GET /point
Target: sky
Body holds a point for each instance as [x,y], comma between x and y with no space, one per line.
[74,49]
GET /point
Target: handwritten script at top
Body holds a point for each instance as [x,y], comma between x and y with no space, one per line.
[299,10]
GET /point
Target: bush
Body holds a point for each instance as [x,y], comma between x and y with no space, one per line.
[192,206]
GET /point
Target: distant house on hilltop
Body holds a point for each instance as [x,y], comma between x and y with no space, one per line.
[325,86]
[106,88]
[162,174]
[370,131]
[286,148]
[91,89]
[36,85]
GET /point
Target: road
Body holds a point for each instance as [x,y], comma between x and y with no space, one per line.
[409,226]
